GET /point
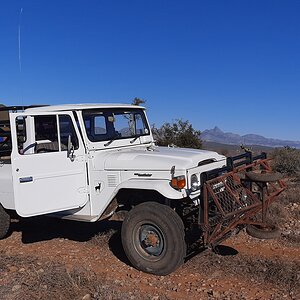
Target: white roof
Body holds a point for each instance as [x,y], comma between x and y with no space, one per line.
[64,107]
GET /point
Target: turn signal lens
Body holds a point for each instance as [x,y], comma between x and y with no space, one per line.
[178,182]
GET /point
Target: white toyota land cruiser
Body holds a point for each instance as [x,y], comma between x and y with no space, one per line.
[89,162]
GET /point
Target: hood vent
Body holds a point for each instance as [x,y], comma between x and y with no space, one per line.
[112,180]
[206,162]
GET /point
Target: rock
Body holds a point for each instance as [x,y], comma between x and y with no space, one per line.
[216,294]
[16,287]
[87,297]
[13,268]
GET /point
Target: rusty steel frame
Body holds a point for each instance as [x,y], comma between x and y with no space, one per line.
[244,215]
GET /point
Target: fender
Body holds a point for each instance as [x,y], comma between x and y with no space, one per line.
[161,186]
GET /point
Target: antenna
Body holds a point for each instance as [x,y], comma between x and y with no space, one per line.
[20,61]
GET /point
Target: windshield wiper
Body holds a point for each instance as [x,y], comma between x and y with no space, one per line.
[134,139]
[114,138]
[109,142]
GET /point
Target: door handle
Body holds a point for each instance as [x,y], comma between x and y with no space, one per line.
[26,179]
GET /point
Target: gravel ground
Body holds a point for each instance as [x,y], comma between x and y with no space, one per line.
[54,259]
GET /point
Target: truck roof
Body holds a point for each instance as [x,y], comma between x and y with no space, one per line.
[65,107]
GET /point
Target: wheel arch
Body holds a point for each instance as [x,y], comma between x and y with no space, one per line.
[133,192]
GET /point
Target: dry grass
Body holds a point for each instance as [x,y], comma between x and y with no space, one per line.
[28,278]
[285,213]
[102,238]
[284,275]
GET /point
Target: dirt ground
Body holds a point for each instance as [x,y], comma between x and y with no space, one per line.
[45,258]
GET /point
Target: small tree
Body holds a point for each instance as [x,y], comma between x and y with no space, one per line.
[180,133]
[138,101]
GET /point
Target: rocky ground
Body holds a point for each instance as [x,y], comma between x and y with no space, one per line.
[53,259]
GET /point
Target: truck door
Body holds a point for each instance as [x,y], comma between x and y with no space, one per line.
[48,163]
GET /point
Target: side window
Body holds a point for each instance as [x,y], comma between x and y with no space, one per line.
[67,129]
[46,134]
[46,138]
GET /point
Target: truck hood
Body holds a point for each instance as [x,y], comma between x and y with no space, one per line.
[159,158]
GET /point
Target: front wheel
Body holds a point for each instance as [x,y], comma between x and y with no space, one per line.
[153,238]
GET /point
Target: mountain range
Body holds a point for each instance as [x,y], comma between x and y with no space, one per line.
[218,136]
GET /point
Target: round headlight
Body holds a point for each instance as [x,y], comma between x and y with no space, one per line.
[195,184]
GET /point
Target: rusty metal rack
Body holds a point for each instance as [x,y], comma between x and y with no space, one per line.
[230,200]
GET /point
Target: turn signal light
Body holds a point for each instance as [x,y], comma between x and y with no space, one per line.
[178,182]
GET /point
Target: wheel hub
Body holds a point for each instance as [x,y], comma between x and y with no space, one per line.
[151,240]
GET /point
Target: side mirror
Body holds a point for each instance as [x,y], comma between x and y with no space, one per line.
[70,151]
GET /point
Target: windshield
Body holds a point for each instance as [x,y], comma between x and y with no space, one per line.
[107,124]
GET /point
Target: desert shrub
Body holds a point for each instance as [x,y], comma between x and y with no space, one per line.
[102,238]
[287,160]
[180,133]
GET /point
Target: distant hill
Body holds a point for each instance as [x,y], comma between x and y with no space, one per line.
[232,150]
[218,136]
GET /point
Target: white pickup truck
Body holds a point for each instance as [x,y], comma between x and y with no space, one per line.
[89,162]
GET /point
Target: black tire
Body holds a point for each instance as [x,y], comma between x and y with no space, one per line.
[263,177]
[4,222]
[269,232]
[153,238]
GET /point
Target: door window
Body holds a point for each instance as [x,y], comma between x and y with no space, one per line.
[46,134]
[51,134]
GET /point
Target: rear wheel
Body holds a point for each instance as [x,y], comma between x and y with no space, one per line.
[4,222]
[153,238]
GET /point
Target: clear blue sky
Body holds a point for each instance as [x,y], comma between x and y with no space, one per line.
[234,64]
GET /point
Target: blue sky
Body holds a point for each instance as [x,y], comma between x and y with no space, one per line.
[234,64]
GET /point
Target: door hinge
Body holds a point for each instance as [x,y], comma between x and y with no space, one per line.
[80,158]
[83,190]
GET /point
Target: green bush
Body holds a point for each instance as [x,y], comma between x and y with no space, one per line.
[287,160]
[180,134]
